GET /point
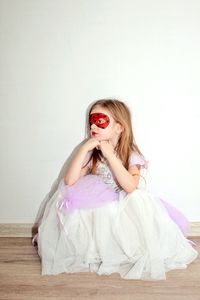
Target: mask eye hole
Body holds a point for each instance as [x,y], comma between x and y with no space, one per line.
[101,121]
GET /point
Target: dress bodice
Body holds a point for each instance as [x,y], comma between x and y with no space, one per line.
[107,175]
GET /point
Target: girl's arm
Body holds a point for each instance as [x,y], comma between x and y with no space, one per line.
[75,171]
[128,179]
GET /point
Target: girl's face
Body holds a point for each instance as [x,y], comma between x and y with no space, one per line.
[103,126]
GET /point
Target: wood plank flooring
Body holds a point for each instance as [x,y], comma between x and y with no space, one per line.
[21,279]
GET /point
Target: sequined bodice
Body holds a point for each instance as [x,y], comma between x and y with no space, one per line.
[106,174]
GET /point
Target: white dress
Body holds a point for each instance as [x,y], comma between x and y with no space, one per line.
[134,236]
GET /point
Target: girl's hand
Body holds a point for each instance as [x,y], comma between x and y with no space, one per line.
[106,148]
[91,144]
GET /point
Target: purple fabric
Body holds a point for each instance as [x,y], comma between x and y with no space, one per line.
[89,191]
[177,217]
[136,159]
[70,201]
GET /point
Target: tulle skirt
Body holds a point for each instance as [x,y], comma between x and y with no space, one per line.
[134,236]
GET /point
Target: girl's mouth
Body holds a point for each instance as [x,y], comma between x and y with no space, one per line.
[94,133]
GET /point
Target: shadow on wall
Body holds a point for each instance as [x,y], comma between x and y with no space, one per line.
[61,175]
[53,189]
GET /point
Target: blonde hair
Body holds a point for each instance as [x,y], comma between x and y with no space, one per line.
[126,143]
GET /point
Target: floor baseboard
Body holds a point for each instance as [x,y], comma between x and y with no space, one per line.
[16,230]
[28,229]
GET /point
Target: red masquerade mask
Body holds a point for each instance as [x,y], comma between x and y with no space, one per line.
[99,119]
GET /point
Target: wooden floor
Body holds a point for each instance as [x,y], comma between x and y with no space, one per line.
[20,278]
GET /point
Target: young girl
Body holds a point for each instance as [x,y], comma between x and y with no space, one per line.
[101,218]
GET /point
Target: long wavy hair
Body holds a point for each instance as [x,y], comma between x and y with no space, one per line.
[126,143]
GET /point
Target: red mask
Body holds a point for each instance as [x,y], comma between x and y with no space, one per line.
[99,119]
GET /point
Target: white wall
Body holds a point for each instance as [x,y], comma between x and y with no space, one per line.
[58,56]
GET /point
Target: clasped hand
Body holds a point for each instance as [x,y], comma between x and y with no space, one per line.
[105,146]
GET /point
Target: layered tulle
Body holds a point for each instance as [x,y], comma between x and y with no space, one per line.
[177,216]
[135,236]
[94,226]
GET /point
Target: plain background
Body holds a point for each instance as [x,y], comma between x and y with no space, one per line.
[58,56]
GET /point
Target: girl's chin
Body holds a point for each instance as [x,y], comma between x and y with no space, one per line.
[95,136]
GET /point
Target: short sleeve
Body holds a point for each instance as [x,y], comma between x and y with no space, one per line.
[137,159]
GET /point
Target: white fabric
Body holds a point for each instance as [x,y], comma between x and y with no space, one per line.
[133,236]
